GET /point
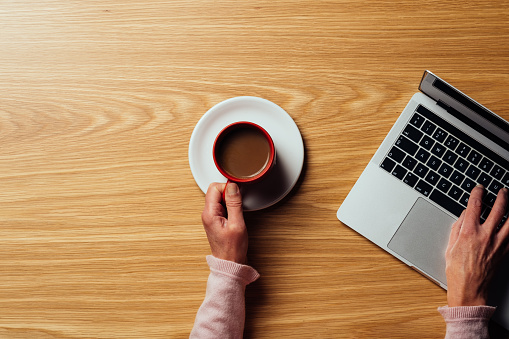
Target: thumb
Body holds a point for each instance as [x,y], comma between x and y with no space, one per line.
[233,201]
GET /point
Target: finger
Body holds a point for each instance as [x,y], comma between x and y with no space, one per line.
[233,201]
[214,192]
[455,230]
[503,233]
[503,237]
[213,207]
[474,208]
[498,211]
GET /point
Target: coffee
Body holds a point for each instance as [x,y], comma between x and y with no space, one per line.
[243,152]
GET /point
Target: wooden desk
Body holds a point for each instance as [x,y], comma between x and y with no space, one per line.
[101,234]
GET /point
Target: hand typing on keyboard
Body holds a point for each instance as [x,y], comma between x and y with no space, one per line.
[443,164]
[476,249]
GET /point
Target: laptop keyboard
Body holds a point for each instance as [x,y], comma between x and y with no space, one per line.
[443,163]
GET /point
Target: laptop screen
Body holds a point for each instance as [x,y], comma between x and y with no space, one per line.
[466,109]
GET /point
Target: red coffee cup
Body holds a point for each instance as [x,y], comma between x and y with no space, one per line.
[243,152]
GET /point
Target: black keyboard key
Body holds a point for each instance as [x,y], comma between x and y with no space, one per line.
[484,179]
[412,133]
[399,172]
[457,178]
[432,178]
[497,172]
[396,154]
[486,164]
[409,163]
[489,199]
[463,150]
[440,135]
[485,212]
[466,139]
[482,220]
[428,127]
[423,188]
[450,157]
[438,150]
[464,199]
[446,202]
[410,179]
[474,157]
[473,172]
[417,120]
[445,170]
[495,186]
[434,163]
[426,142]
[388,164]
[444,185]
[422,155]
[421,170]
[455,192]
[406,145]
[505,180]
[468,185]
[461,165]
[451,142]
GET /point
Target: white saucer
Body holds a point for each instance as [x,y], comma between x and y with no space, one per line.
[281,127]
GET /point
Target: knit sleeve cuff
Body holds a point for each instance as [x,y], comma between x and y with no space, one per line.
[244,273]
[466,312]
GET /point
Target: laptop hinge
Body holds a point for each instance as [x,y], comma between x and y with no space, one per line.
[447,108]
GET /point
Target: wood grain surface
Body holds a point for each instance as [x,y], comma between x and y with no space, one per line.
[100,233]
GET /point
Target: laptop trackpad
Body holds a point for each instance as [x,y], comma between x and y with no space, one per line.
[422,239]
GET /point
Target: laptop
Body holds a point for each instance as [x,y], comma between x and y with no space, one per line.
[420,178]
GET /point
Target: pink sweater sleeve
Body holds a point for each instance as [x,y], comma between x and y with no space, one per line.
[222,313]
[467,322]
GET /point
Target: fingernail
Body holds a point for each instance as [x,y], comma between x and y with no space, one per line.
[232,189]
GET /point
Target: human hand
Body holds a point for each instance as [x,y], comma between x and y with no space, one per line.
[475,250]
[226,229]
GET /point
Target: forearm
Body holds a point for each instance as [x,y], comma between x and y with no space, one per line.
[467,322]
[222,313]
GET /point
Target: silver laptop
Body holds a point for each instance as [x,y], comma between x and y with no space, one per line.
[419,180]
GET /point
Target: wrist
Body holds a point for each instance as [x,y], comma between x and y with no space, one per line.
[466,301]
